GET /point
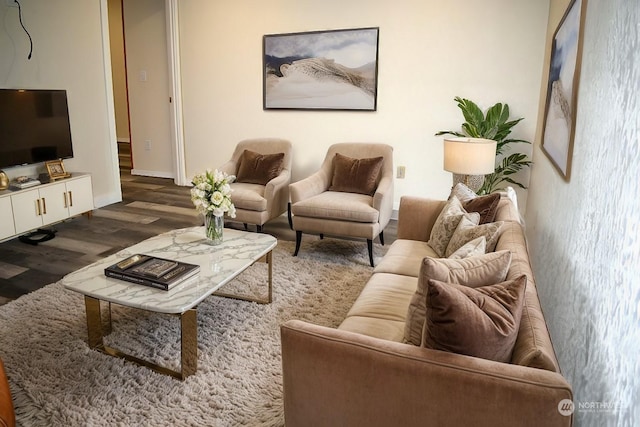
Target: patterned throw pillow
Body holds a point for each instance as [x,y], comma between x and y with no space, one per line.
[462,192]
[481,322]
[473,272]
[473,248]
[486,206]
[469,230]
[446,225]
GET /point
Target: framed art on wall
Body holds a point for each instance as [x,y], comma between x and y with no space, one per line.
[562,88]
[321,70]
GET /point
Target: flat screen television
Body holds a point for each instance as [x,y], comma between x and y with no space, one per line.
[34,126]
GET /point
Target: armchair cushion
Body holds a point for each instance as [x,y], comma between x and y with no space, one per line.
[248,196]
[355,175]
[481,322]
[339,206]
[256,168]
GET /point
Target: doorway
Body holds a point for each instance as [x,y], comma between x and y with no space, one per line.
[141,87]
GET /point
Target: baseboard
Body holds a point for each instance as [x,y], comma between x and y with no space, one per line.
[155,174]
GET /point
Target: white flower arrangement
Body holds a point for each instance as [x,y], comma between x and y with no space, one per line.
[211,193]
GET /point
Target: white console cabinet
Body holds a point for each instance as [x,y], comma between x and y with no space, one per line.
[45,204]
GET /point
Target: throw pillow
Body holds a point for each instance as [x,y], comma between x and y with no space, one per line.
[446,225]
[256,168]
[473,272]
[486,206]
[468,230]
[462,192]
[355,175]
[481,322]
[473,248]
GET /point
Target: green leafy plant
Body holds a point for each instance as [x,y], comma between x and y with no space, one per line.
[493,125]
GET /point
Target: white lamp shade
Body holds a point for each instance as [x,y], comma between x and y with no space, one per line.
[469,156]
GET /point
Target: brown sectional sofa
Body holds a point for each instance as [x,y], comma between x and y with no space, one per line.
[363,374]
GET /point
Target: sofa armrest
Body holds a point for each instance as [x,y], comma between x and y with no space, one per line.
[333,377]
[310,186]
[416,217]
[7,414]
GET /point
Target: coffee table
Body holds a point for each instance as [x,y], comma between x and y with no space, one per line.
[218,265]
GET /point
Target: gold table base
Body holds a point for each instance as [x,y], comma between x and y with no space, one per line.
[188,331]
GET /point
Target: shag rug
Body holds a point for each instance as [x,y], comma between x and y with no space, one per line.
[56,380]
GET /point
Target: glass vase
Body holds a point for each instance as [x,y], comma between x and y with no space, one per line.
[213,228]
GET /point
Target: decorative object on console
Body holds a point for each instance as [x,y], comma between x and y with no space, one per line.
[211,195]
[4,180]
[56,170]
[562,89]
[469,156]
[496,127]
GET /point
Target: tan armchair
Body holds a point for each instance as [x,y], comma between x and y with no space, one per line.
[259,199]
[321,205]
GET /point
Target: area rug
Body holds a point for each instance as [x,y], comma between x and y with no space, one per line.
[57,380]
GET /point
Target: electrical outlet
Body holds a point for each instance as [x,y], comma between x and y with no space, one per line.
[12,3]
[147,144]
[400,172]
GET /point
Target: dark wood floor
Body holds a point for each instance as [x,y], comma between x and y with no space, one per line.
[150,206]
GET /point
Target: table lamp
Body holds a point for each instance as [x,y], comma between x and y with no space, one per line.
[469,156]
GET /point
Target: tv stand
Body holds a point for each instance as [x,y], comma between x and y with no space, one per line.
[36,207]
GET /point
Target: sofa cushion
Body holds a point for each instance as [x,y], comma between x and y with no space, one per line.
[445,225]
[405,257]
[337,205]
[468,229]
[381,308]
[256,168]
[355,175]
[473,248]
[481,322]
[473,272]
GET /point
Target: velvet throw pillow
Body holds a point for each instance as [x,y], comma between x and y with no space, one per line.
[355,175]
[481,322]
[486,206]
[473,272]
[256,168]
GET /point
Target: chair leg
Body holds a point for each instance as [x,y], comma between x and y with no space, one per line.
[245,226]
[381,237]
[321,236]
[259,228]
[289,217]
[370,248]
[298,241]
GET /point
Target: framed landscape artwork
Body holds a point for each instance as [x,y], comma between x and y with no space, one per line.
[321,70]
[562,88]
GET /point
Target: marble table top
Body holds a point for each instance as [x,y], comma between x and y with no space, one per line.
[218,265]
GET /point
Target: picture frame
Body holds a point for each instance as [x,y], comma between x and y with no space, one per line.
[56,170]
[562,88]
[321,70]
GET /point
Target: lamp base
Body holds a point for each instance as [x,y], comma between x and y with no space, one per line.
[474,182]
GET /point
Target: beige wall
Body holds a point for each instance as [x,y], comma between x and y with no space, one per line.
[68,54]
[146,44]
[118,69]
[430,51]
[584,234]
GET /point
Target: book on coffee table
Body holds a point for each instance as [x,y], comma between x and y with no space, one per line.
[152,271]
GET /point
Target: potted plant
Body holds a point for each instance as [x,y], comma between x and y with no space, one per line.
[494,125]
